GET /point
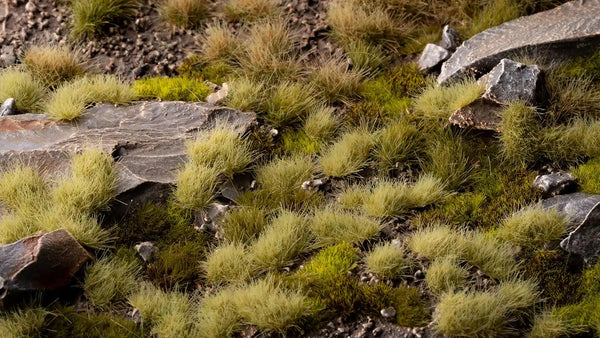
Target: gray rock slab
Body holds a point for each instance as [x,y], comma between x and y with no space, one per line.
[146,139]
[450,39]
[555,184]
[585,239]
[570,30]
[575,206]
[511,81]
[432,56]
[481,114]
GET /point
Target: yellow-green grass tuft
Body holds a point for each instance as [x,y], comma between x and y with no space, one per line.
[70,99]
[280,179]
[387,261]
[167,313]
[243,224]
[252,10]
[271,307]
[348,155]
[439,102]
[227,264]
[218,316]
[321,123]
[397,143]
[337,226]
[519,133]
[493,14]
[336,82]
[85,228]
[184,13]
[15,226]
[27,91]
[353,196]
[533,227]
[172,89]
[93,17]
[109,281]
[366,57]
[281,243]
[490,255]
[446,275]
[91,185]
[448,161]
[289,103]
[19,323]
[219,44]
[246,94]
[53,65]
[548,325]
[221,149]
[572,97]
[196,186]
[23,189]
[438,241]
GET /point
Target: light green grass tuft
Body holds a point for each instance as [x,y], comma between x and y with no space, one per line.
[548,325]
[289,103]
[21,323]
[281,243]
[335,226]
[196,186]
[490,255]
[27,91]
[519,133]
[353,196]
[366,57]
[22,188]
[336,82]
[184,13]
[439,102]
[533,227]
[109,281]
[281,179]
[172,89]
[227,264]
[448,161]
[321,123]
[493,14]
[446,275]
[244,223]
[387,261]
[218,316]
[348,155]
[246,94]
[438,241]
[588,176]
[221,149]
[572,97]
[252,10]
[53,65]
[397,143]
[85,228]
[92,17]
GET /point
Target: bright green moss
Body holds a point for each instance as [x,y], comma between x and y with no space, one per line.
[196,67]
[588,175]
[172,89]
[583,66]
[298,143]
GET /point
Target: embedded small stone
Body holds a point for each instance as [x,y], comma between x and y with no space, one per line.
[432,57]
[146,250]
[8,107]
[555,183]
[512,81]
[388,312]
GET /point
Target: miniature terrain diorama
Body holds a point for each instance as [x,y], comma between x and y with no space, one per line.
[299,168]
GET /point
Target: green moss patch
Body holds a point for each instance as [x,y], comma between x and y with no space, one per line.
[172,89]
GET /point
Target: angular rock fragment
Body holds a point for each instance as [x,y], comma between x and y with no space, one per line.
[569,30]
[450,39]
[219,95]
[8,107]
[585,239]
[511,81]
[574,206]
[146,250]
[42,262]
[555,183]
[432,57]
[481,114]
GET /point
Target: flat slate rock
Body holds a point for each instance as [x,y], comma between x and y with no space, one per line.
[585,239]
[570,30]
[146,139]
[575,206]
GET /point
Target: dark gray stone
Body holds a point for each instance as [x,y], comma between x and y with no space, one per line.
[432,57]
[146,139]
[555,183]
[481,114]
[8,107]
[146,250]
[585,239]
[42,262]
[511,81]
[450,39]
[574,206]
[570,30]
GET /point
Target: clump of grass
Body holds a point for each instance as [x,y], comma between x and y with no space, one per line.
[66,322]
[281,243]
[588,176]
[184,13]
[53,65]
[27,91]
[177,265]
[172,89]
[168,313]
[227,264]
[246,94]
[85,228]
[333,226]
[271,307]
[387,261]
[321,123]
[448,161]
[446,275]
[28,322]
[439,102]
[92,18]
[22,188]
[282,179]
[493,14]
[289,103]
[397,143]
[532,227]
[582,66]
[196,186]
[221,149]
[70,99]
[244,224]
[218,316]
[335,81]
[297,143]
[348,155]
[519,133]
[490,255]
[366,57]
[572,97]
[219,44]
[109,281]
[251,10]
[548,324]
[438,241]
[353,196]
[91,185]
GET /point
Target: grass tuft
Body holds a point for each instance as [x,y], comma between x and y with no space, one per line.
[196,186]
[321,123]
[588,176]
[172,89]
[28,322]
[448,161]
[533,227]
[92,17]
[227,264]
[246,94]
[519,133]
[184,13]
[282,179]
[244,223]
[446,275]
[370,59]
[334,226]
[336,82]
[439,102]
[219,44]
[397,143]
[548,324]
[289,103]
[218,316]
[109,281]
[22,188]
[27,91]
[387,261]
[252,10]
[53,65]
[348,155]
